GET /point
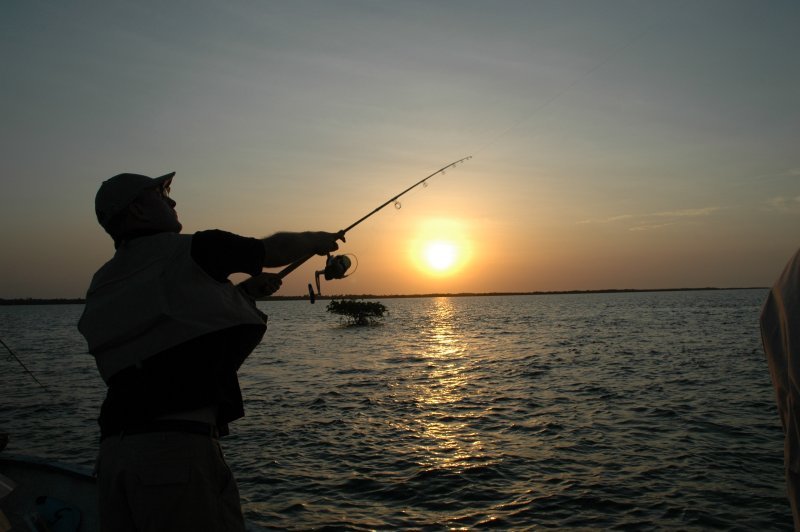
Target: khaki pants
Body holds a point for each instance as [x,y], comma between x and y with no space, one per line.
[166,481]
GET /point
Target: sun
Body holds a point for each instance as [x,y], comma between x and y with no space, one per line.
[442,247]
[440,255]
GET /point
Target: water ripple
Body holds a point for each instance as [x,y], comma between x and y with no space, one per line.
[598,411]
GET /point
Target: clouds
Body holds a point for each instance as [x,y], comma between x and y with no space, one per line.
[655,220]
[785,187]
[786,204]
[788,173]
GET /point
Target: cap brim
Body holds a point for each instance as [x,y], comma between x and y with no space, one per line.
[166,178]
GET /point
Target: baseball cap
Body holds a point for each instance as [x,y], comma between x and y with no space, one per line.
[116,193]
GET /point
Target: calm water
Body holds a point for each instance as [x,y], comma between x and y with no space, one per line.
[600,411]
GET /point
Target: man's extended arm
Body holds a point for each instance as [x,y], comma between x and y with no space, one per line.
[284,248]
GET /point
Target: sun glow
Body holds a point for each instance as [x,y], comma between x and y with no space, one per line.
[442,249]
[441,254]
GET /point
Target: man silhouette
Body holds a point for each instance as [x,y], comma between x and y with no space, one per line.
[169,331]
[780,334]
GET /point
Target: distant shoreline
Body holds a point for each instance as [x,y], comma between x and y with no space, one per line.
[80,301]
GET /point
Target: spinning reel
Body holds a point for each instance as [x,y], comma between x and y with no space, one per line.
[336,267]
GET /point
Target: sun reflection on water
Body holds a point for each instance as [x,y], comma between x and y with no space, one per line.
[440,393]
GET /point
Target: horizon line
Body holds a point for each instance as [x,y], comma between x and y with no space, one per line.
[67,300]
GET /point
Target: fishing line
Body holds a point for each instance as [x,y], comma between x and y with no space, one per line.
[29,372]
[581,78]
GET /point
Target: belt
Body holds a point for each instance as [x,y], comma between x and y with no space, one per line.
[170,425]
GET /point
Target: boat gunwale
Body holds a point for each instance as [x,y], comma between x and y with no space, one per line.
[73,470]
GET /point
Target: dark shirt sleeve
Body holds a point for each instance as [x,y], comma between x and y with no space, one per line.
[220,253]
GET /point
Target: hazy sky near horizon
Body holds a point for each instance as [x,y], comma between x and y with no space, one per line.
[616,144]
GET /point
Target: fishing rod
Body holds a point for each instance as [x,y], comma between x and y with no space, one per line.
[29,372]
[336,266]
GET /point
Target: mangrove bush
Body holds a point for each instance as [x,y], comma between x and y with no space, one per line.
[357,312]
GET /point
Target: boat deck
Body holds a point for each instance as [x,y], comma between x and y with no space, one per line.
[69,489]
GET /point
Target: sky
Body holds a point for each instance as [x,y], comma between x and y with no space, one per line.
[616,144]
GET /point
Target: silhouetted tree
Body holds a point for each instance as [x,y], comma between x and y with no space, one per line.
[357,312]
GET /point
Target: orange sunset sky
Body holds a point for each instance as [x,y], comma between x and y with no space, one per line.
[615,144]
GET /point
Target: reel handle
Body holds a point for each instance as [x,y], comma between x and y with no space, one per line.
[311,296]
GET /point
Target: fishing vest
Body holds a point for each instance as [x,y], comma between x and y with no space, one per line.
[152,296]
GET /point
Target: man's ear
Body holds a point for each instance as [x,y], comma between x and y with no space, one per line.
[137,211]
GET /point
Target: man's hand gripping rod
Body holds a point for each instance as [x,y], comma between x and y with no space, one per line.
[296,264]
